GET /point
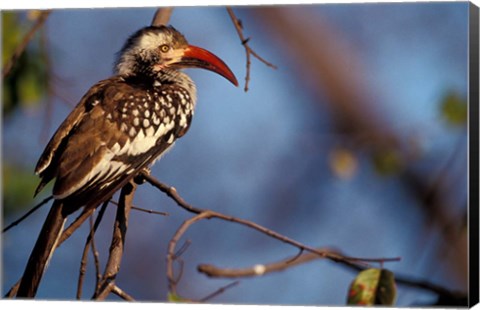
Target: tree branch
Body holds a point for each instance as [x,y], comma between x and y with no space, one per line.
[89,243]
[262,269]
[23,44]
[118,241]
[259,269]
[120,293]
[162,16]
[219,291]
[23,217]
[208,214]
[248,50]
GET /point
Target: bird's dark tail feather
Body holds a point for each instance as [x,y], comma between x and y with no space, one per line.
[42,251]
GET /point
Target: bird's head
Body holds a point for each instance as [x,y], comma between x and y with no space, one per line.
[154,49]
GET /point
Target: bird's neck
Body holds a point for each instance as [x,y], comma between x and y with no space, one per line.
[175,77]
[171,76]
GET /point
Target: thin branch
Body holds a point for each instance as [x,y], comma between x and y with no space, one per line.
[162,16]
[259,269]
[23,44]
[171,192]
[96,260]
[65,235]
[209,214]
[23,217]
[103,291]
[120,293]
[219,291]
[83,263]
[172,280]
[262,269]
[180,273]
[144,210]
[89,243]
[150,211]
[248,50]
[183,248]
[118,242]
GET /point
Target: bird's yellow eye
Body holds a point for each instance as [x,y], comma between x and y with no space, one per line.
[164,48]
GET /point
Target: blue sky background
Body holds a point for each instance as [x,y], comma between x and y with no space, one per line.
[264,155]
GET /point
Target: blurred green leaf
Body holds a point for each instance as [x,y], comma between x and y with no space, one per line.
[373,287]
[26,83]
[18,187]
[454,109]
[11,35]
[175,298]
[387,162]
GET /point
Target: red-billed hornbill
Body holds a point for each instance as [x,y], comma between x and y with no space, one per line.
[119,127]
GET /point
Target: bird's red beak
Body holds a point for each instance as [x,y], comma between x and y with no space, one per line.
[200,58]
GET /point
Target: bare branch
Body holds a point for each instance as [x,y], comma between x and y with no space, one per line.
[172,280]
[259,269]
[262,269]
[118,241]
[162,16]
[183,248]
[15,223]
[171,192]
[248,50]
[23,44]
[144,210]
[150,211]
[209,214]
[89,243]
[120,293]
[219,291]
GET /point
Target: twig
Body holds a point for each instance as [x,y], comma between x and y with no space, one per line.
[89,243]
[259,269]
[83,263]
[183,248]
[172,280]
[248,50]
[219,291]
[15,223]
[162,16]
[23,44]
[118,241]
[96,260]
[150,211]
[144,210]
[120,293]
[180,273]
[262,269]
[65,235]
[171,192]
[209,214]
[103,291]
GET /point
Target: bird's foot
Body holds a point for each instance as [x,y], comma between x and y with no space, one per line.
[139,178]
